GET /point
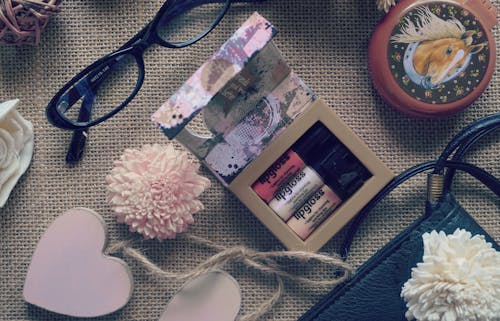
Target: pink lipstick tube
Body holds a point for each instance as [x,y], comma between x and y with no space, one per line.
[295,192]
[315,210]
[285,167]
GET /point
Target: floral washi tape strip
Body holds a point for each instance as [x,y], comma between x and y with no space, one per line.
[211,77]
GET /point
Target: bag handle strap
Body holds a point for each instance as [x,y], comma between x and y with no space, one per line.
[467,137]
[461,143]
[460,153]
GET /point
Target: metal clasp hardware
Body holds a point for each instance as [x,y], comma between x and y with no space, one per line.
[434,187]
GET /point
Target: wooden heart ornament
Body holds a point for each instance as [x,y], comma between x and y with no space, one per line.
[70,275]
[214,296]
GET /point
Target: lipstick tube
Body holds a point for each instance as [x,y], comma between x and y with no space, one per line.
[281,170]
[315,210]
[295,192]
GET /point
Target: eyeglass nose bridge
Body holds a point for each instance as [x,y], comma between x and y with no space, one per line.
[144,43]
[148,39]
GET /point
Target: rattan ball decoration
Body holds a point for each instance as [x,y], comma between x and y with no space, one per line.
[22,21]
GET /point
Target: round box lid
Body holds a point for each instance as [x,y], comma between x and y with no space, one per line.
[433,58]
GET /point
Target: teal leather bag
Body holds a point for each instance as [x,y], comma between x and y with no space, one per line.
[374,292]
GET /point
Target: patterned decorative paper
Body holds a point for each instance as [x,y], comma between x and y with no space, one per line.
[211,77]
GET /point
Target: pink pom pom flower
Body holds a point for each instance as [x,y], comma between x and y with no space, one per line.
[155,191]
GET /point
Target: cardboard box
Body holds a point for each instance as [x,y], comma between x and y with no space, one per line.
[316,112]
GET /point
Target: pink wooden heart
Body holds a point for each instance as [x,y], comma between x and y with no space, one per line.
[214,296]
[70,275]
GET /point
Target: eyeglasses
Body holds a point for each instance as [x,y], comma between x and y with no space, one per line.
[109,84]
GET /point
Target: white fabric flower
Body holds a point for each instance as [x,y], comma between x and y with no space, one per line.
[16,147]
[458,280]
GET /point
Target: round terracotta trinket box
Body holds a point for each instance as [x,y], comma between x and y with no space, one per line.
[433,58]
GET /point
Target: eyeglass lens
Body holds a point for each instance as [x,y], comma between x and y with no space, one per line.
[101,90]
[187,21]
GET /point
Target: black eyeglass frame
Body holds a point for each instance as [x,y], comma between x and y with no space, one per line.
[134,47]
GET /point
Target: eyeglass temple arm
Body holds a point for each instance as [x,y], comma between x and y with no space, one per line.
[79,137]
[85,88]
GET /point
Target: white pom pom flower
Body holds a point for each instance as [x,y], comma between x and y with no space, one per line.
[458,280]
[155,191]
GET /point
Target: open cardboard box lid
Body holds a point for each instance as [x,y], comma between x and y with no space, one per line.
[211,78]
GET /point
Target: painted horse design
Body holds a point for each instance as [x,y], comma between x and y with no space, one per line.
[438,50]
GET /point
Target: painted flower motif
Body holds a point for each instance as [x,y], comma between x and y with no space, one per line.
[428,94]
[465,12]
[436,10]
[443,99]
[155,191]
[481,57]
[452,11]
[406,80]
[458,280]
[16,147]
[462,74]
[459,90]
[397,56]
[479,34]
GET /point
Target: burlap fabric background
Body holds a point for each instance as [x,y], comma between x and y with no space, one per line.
[324,41]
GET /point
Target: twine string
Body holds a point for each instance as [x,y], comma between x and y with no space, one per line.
[264,262]
[22,21]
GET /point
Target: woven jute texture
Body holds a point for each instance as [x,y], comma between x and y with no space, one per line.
[324,41]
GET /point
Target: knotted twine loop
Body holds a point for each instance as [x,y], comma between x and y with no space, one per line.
[22,21]
[264,262]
